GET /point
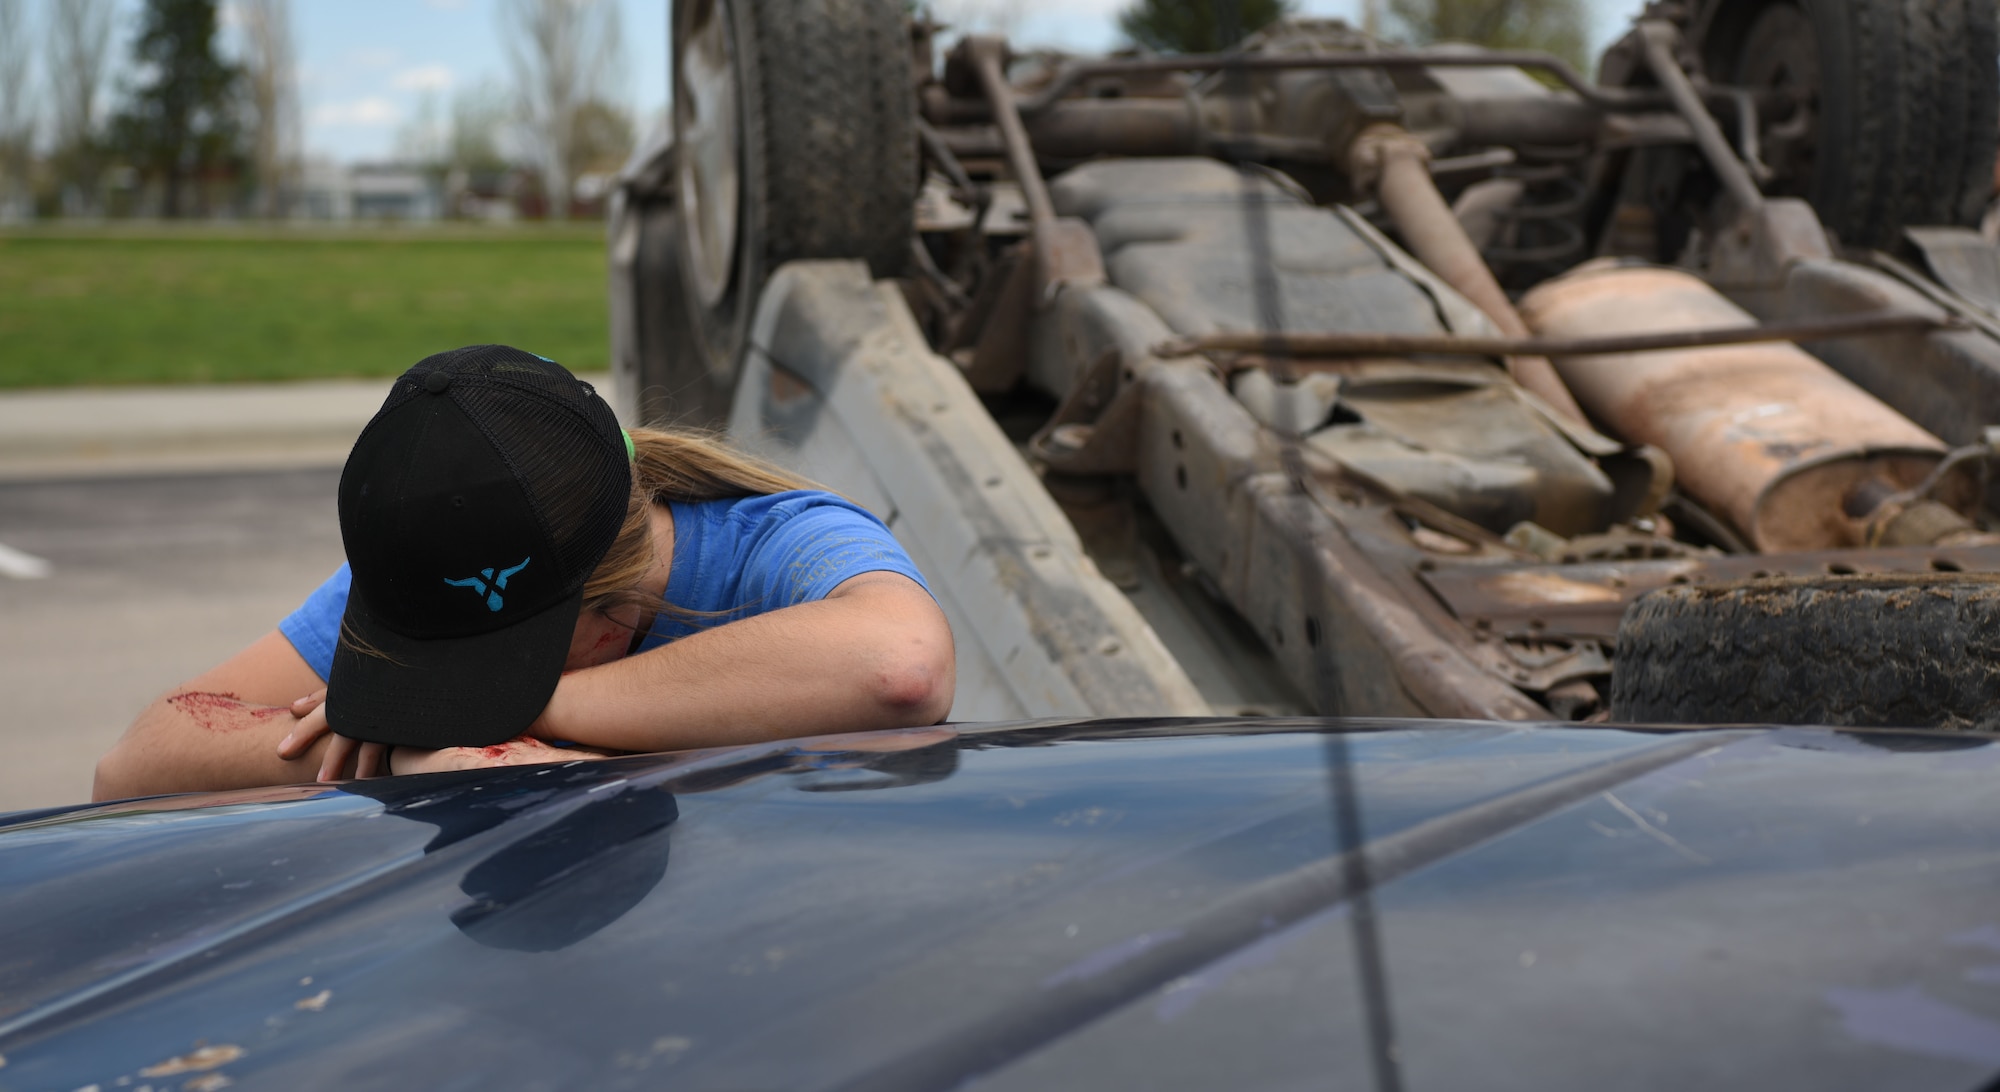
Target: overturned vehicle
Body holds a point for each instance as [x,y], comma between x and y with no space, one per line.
[1326,376]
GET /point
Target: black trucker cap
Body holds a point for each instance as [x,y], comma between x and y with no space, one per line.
[473,508]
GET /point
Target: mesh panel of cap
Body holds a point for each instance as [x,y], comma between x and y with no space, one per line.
[560,440]
[576,478]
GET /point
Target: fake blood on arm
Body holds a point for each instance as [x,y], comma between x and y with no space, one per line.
[220,711]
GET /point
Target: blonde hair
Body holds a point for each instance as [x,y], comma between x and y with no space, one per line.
[673,465]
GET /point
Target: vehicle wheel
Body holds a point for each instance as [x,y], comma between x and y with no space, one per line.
[660,375]
[1893,650]
[1898,120]
[794,124]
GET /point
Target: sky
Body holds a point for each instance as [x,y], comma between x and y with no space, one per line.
[365,66]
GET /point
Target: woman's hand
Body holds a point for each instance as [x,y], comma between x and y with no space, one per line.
[310,712]
[367,759]
[520,751]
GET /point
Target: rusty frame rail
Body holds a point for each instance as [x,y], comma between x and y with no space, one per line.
[1612,99]
[1309,345]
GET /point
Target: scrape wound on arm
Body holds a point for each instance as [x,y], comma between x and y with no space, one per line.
[222,711]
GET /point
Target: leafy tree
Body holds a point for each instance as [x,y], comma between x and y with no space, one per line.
[182,116]
[480,117]
[1197,26]
[603,135]
[1561,27]
[463,145]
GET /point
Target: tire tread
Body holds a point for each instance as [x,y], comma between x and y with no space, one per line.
[1879,651]
[1912,128]
[839,130]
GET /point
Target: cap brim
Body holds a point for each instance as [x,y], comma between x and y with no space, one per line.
[451,692]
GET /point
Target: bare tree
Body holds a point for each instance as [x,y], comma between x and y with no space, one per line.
[565,55]
[79,49]
[272,74]
[17,115]
[481,116]
[425,139]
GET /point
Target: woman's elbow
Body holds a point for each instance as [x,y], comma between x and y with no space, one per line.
[131,766]
[916,688]
[112,779]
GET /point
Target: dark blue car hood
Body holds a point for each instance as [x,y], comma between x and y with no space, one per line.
[1098,905]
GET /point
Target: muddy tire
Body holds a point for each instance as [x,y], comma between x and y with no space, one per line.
[794,124]
[1900,126]
[1910,651]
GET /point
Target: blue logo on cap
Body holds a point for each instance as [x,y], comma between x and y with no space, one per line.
[499,583]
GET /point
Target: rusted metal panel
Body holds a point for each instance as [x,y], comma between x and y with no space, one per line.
[997,358]
[1471,447]
[1083,324]
[1069,256]
[1096,429]
[1339,629]
[1963,260]
[1586,599]
[1765,433]
[1948,382]
[840,386]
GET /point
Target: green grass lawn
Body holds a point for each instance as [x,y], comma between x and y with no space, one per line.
[170,304]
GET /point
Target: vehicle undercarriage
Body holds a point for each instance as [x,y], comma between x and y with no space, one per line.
[1326,376]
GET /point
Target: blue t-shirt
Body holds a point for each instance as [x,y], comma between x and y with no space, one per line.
[733,558]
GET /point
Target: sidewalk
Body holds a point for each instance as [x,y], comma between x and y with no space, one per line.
[87,432]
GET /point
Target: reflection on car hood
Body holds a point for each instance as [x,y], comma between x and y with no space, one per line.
[1101,904]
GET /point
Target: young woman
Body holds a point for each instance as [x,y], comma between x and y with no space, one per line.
[526,583]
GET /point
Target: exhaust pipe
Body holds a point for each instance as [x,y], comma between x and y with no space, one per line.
[1797,457]
[1397,165]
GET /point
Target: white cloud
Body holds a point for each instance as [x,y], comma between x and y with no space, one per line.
[425,77]
[373,112]
[372,58]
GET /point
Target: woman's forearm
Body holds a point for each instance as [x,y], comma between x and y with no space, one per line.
[876,654]
[195,740]
[219,730]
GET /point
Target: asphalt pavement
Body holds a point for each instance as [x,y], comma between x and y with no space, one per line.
[145,536]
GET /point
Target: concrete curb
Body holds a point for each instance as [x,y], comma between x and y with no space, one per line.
[153,430]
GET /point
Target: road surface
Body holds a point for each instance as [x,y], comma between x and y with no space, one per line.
[149,580]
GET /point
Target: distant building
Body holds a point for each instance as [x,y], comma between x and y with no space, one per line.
[393,191]
[323,191]
[485,194]
[368,191]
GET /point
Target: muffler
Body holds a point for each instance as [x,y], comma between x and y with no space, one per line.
[1797,457]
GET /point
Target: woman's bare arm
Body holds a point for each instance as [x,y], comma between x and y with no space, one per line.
[219,730]
[875,653]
